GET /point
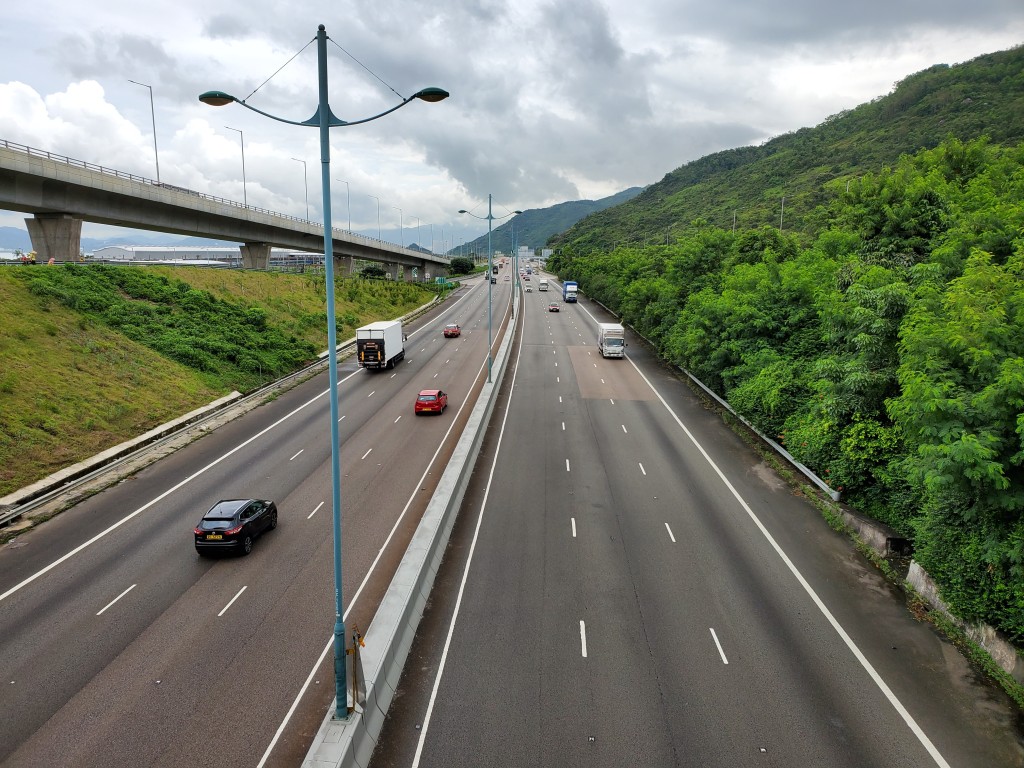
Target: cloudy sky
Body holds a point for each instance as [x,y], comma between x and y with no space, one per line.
[551,100]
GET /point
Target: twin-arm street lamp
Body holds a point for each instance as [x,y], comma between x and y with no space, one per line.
[152,114]
[325,119]
[305,178]
[490,271]
[245,198]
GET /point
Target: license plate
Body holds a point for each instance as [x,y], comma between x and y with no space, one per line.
[213,536]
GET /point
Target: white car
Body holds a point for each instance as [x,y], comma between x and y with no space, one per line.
[529,288]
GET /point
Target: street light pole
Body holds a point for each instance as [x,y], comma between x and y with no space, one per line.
[241,136]
[490,274]
[324,119]
[305,182]
[348,195]
[378,215]
[152,114]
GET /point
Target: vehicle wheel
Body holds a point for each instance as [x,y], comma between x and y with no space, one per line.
[273,521]
[246,545]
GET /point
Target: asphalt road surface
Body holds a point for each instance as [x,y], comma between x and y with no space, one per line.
[628,584]
[119,646]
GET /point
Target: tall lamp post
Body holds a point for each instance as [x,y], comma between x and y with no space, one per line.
[241,136]
[305,179]
[324,119]
[348,196]
[490,257]
[152,114]
[378,215]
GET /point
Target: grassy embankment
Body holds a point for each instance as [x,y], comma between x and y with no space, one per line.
[93,356]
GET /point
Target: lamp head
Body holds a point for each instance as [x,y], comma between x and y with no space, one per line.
[432,94]
[463,211]
[516,211]
[216,98]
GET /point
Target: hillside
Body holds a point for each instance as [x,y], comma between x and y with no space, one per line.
[96,355]
[743,188]
[535,226]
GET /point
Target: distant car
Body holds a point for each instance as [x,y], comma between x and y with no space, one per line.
[553,307]
[431,401]
[494,279]
[452,330]
[232,525]
[529,288]
[526,277]
[507,278]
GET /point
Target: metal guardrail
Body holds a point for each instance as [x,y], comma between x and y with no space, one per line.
[70,161]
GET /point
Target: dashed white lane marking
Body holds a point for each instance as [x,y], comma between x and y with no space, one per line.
[567,466]
[583,638]
[314,510]
[100,613]
[231,602]
[366,454]
[296,455]
[670,534]
[719,645]
[642,469]
[573,528]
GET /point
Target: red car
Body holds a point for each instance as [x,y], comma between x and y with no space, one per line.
[552,307]
[431,401]
[452,330]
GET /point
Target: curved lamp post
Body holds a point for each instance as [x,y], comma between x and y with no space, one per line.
[325,119]
[490,217]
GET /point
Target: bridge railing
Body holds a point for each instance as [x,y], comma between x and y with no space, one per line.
[32,151]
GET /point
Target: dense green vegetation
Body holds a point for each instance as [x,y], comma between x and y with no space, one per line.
[95,355]
[886,352]
[786,178]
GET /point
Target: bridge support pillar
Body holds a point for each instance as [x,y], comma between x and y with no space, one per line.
[344,266]
[56,236]
[255,255]
[392,269]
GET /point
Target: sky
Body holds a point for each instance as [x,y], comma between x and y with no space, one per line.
[551,100]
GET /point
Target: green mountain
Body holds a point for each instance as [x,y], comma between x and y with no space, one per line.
[534,227]
[784,180]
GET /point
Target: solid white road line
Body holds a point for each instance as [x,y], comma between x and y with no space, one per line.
[719,645]
[908,719]
[314,510]
[232,601]
[100,613]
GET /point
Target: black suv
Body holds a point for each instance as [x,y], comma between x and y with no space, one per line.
[232,525]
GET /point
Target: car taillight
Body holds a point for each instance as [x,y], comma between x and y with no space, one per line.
[198,531]
[233,531]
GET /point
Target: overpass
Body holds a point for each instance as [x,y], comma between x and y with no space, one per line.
[62,192]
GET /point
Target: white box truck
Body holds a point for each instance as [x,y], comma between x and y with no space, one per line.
[380,345]
[543,284]
[611,339]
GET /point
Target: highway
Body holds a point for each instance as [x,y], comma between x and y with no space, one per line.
[628,584]
[119,646]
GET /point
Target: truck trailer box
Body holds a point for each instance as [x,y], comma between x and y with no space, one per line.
[380,345]
[569,291]
[543,284]
[611,339]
